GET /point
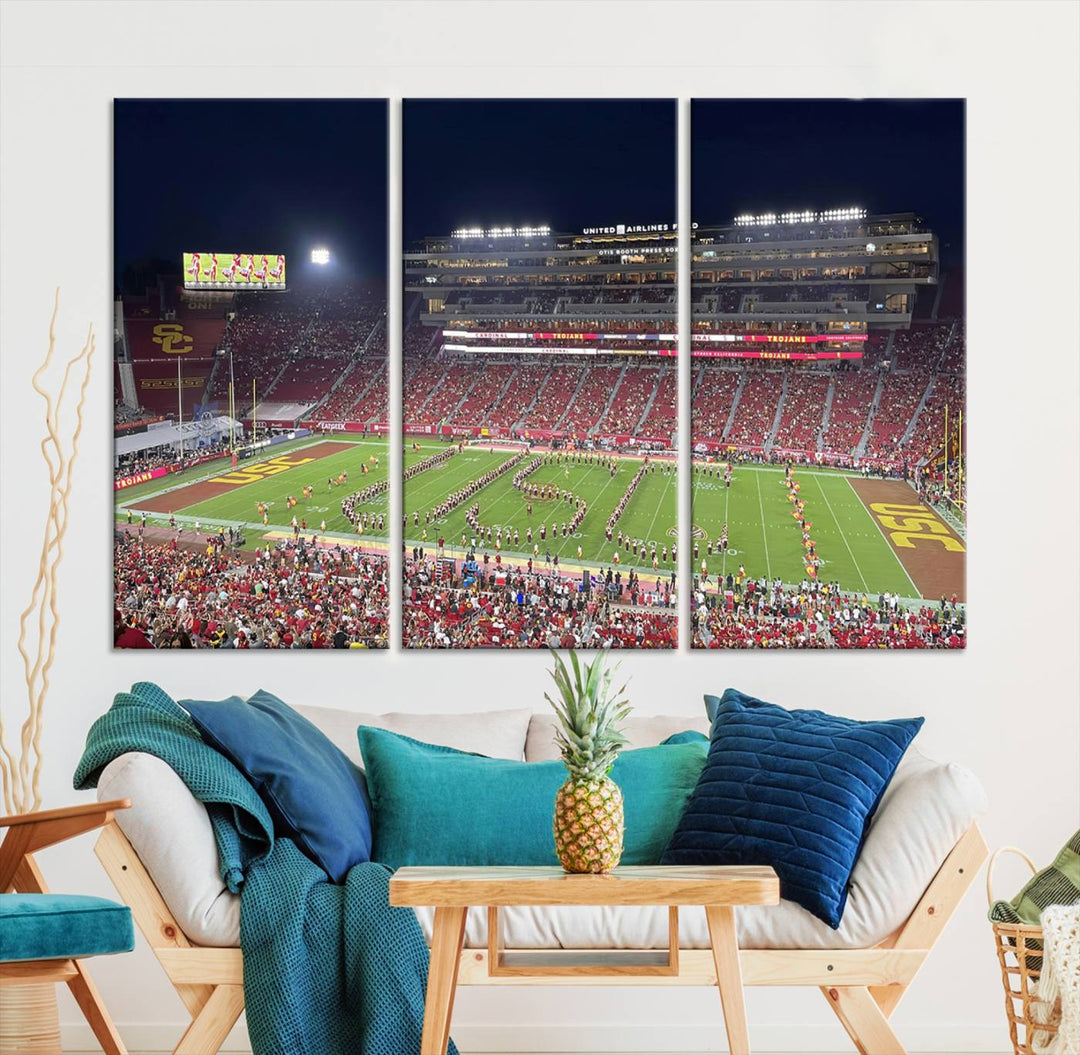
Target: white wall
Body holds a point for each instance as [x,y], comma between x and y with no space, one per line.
[1008,708]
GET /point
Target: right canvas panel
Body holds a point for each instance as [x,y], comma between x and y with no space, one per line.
[828,374]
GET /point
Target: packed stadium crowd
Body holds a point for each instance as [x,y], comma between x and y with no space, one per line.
[756,613]
[890,409]
[294,595]
[528,608]
[749,613]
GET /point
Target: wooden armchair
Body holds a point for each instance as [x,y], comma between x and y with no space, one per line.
[45,937]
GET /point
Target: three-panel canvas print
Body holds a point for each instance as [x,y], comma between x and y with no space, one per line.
[538,361]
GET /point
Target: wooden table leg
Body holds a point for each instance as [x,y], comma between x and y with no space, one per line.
[725,950]
[446,941]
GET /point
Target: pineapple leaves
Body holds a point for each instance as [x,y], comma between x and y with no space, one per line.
[589,714]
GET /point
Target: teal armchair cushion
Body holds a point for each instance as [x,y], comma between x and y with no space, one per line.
[62,926]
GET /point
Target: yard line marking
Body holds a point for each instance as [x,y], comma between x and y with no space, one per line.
[599,555]
[663,495]
[862,505]
[727,503]
[764,533]
[866,589]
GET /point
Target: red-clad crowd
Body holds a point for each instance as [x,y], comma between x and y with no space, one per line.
[757,614]
[297,595]
[529,609]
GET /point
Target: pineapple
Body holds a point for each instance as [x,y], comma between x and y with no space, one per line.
[589,807]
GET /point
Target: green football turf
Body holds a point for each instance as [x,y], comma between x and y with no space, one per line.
[766,539]
[763,536]
[239,503]
[650,514]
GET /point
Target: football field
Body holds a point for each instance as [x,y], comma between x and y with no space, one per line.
[216,494]
[650,514]
[871,535]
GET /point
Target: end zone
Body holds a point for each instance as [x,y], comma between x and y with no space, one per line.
[929,549]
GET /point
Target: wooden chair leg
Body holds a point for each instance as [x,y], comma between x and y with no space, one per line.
[211,1025]
[94,1011]
[446,941]
[864,1021]
[725,950]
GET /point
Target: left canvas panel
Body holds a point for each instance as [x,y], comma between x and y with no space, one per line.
[250,374]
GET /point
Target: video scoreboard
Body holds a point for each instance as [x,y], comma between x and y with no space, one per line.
[231,271]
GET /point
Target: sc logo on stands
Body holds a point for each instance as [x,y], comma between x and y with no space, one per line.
[171,337]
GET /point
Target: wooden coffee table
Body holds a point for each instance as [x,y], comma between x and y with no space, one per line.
[452,891]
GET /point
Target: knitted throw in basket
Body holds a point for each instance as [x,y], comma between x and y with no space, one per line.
[1057,884]
[1060,980]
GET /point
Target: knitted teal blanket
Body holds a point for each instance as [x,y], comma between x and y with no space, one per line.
[328,969]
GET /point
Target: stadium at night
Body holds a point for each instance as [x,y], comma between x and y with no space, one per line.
[548,359]
[237,524]
[540,381]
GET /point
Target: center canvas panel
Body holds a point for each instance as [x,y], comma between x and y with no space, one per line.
[539,374]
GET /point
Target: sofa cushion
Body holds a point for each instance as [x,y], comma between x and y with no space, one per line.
[171,832]
[56,926]
[792,789]
[639,730]
[316,796]
[433,805]
[497,734]
[925,810]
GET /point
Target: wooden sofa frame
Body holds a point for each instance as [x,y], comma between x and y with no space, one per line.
[862,986]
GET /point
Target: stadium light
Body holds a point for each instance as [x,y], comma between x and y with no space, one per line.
[528,231]
[769,219]
[320,256]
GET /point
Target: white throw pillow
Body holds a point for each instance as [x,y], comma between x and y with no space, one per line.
[640,730]
[497,734]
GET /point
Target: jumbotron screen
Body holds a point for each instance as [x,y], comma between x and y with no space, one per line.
[234,271]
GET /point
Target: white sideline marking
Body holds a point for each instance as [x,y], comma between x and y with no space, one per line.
[847,545]
[764,533]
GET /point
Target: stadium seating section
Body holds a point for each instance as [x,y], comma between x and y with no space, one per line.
[323,351]
[317,349]
[802,412]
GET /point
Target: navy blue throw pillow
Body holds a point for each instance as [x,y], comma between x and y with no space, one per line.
[792,789]
[315,795]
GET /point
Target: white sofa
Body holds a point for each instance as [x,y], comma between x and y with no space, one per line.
[926,810]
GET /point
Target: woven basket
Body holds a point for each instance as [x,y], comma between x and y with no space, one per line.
[1020,956]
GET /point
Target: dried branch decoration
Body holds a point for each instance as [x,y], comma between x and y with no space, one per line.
[38,625]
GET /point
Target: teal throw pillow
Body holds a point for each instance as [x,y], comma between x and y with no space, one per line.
[315,795]
[437,806]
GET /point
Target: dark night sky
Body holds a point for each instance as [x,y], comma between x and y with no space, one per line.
[569,163]
[263,176]
[766,155]
[284,175]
